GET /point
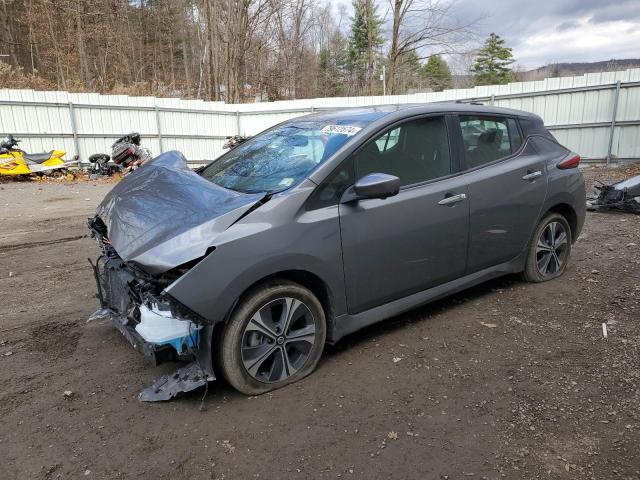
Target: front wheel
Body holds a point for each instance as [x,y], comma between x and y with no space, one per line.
[274,337]
[549,249]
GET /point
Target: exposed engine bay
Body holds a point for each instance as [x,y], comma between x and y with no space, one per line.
[154,323]
[153,228]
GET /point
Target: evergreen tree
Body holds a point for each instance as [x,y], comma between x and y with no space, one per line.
[364,42]
[492,62]
[437,74]
[409,72]
[332,67]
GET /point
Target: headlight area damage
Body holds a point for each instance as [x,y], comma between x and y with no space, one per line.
[152,228]
[154,323]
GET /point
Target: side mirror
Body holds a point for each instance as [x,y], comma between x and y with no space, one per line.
[377,185]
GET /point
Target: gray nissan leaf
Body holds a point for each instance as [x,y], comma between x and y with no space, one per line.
[322,225]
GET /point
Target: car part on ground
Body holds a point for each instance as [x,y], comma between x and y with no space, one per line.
[323,225]
[624,195]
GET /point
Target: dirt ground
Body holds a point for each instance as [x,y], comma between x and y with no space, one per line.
[506,380]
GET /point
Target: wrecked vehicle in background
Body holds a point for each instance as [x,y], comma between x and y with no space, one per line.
[323,225]
[624,195]
[234,140]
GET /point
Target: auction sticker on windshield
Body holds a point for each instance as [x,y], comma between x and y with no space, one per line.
[341,129]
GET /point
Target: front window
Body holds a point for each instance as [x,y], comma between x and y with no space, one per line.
[283,156]
[416,151]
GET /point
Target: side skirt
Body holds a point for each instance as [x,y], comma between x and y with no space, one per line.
[346,324]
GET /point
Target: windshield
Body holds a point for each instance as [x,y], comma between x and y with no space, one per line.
[281,157]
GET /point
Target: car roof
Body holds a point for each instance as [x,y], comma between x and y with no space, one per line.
[375,118]
[370,114]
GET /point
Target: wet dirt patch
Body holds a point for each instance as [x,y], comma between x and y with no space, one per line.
[54,339]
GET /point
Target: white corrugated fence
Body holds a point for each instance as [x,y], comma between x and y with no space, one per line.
[596,114]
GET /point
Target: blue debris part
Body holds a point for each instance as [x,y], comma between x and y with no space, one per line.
[185,343]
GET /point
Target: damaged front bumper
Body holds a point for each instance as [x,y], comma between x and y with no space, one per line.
[154,325]
[156,353]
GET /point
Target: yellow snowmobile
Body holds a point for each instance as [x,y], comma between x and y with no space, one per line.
[14,161]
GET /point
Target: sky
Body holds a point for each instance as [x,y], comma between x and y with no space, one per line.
[550,31]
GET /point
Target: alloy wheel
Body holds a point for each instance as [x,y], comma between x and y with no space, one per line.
[552,249]
[278,340]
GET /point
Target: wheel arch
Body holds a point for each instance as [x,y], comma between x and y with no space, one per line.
[307,279]
[568,212]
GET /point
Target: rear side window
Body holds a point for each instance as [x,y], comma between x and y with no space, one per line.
[487,139]
[415,151]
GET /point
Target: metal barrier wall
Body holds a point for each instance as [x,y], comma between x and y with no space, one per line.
[597,115]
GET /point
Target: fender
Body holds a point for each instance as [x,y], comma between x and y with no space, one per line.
[257,247]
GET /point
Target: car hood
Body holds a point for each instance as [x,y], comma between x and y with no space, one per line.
[163,214]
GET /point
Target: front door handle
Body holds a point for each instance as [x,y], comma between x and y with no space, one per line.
[532,175]
[452,199]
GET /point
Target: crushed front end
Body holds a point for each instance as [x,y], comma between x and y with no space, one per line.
[152,321]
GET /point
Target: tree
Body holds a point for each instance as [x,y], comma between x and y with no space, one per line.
[422,25]
[492,62]
[437,74]
[332,67]
[231,50]
[409,73]
[364,42]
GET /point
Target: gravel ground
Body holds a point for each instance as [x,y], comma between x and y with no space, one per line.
[506,380]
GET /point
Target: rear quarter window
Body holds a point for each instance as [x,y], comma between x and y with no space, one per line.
[534,126]
[545,145]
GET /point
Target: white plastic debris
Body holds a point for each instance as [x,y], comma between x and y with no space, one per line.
[158,326]
[488,325]
[604,330]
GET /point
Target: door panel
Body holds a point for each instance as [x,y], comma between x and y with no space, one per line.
[505,199]
[416,239]
[403,244]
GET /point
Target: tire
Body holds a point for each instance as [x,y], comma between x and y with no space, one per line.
[546,258]
[258,354]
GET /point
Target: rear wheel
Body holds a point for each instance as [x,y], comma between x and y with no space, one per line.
[549,249]
[274,337]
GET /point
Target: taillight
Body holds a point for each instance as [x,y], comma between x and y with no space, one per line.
[571,162]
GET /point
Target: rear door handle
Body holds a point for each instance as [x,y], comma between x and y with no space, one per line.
[452,199]
[532,175]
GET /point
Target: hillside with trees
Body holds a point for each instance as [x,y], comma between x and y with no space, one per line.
[236,51]
[251,50]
